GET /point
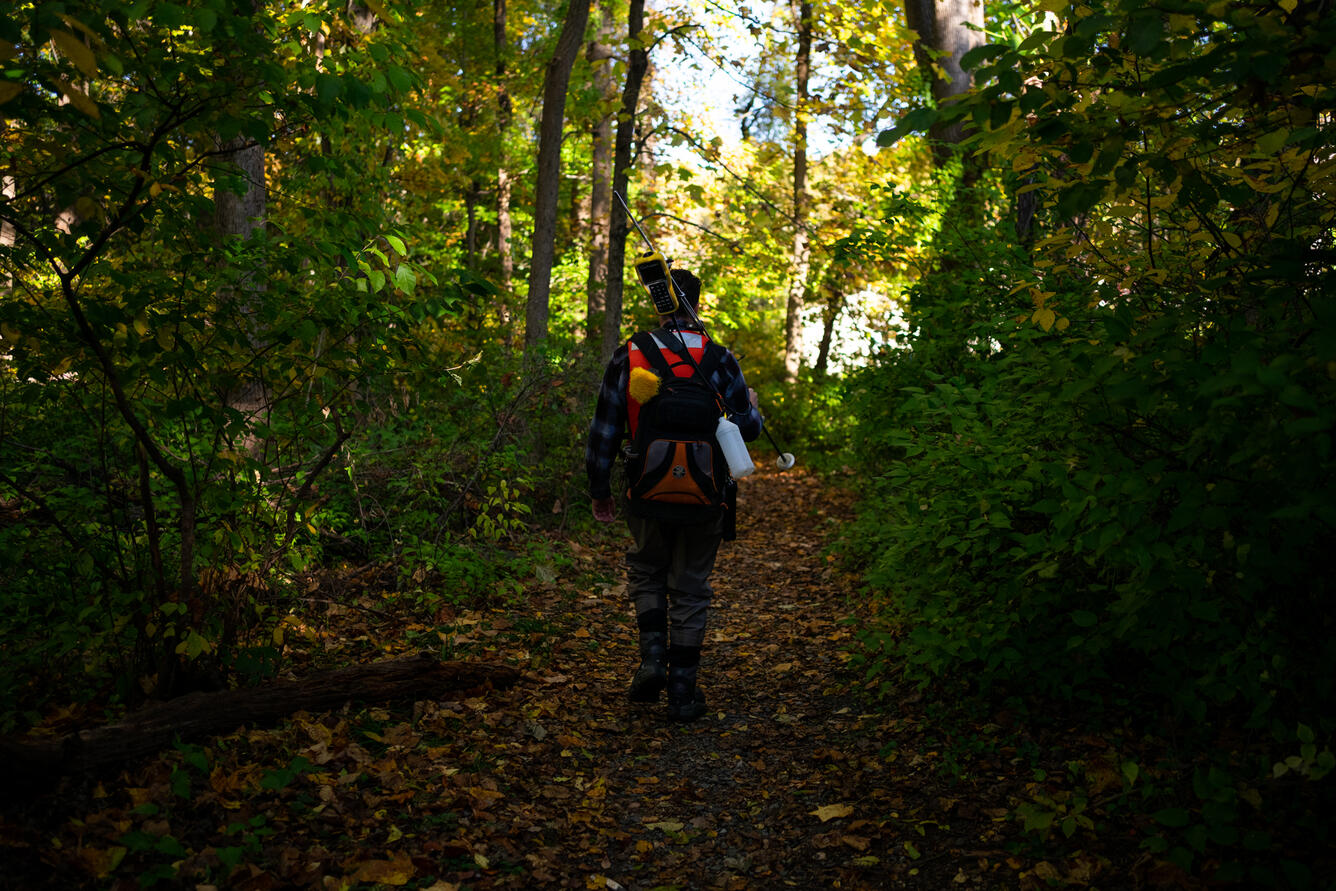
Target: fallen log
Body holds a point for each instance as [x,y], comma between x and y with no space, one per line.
[153,728]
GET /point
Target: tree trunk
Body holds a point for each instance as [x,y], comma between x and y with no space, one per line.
[832,313]
[547,188]
[197,715]
[7,233]
[801,257]
[503,114]
[471,225]
[238,215]
[944,37]
[600,191]
[637,65]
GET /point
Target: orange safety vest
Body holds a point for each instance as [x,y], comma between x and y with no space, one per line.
[695,342]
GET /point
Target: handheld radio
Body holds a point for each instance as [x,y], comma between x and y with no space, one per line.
[652,270]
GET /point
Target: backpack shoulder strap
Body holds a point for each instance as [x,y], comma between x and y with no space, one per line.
[649,348]
[709,361]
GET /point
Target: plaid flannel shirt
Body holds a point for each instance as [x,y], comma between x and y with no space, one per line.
[609,426]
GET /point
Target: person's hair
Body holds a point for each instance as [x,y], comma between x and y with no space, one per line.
[689,287]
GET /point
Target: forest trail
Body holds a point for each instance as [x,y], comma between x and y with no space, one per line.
[788,781]
[782,784]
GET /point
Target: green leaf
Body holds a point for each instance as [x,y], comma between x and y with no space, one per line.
[404,279]
[980,54]
[918,119]
[1084,618]
[328,88]
[1173,817]
[1145,34]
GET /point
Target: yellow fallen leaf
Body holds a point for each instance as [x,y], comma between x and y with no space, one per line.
[832,811]
[666,826]
[101,861]
[397,871]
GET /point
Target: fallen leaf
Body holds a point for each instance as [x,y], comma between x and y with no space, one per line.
[857,842]
[101,861]
[666,826]
[397,871]
[832,811]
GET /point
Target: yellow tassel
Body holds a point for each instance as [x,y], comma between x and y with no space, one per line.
[644,385]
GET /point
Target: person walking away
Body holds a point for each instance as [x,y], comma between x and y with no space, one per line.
[667,389]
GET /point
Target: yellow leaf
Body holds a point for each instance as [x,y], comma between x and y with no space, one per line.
[79,26]
[666,826]
[397,871]
[8,90]
[101,861]
[79,99]
[76,51]
[1044,318]
[832,811]
[1064,323]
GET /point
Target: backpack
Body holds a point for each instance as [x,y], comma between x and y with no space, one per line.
[675,468]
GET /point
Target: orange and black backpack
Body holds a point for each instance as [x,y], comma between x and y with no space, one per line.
[675,468]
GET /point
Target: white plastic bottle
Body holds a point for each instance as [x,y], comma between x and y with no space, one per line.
[735,450]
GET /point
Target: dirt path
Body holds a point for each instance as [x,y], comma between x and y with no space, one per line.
[781,784]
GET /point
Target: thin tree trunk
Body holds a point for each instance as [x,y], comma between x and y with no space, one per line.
[801,257]
[471,226]
[7,233]
[638,64]
[547,188]
[237,216]
[833,308]
[503,115]
[600,192]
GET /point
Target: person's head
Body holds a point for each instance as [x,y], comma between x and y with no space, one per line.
[687,289]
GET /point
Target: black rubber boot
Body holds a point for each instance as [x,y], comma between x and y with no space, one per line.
[685,702]
[652,675]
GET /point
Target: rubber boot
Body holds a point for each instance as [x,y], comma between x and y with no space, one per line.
[685,702]
[652,675]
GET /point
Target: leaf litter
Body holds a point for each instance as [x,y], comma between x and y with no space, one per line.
[794,778]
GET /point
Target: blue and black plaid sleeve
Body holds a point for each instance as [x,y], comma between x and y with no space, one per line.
[729,383]
[608,427]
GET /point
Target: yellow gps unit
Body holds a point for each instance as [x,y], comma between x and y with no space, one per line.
[653,272]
